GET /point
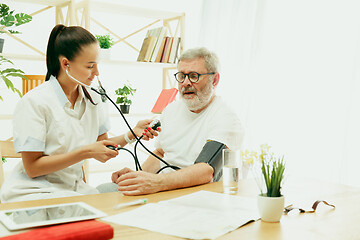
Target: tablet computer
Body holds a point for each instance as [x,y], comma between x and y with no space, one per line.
[16,219]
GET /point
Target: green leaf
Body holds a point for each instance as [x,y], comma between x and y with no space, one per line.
[18,92]
[8,83]
[4,60]
[13,32]
[22,18]
[15,75]
[7,18]
[8,21]
[12,70]
[4,10]
[105,41]
[124,93]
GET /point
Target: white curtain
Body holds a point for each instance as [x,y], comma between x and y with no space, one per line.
[290,69]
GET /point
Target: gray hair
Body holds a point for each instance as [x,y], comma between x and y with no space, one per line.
[211,59]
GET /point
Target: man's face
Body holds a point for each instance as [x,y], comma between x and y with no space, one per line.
[195,95]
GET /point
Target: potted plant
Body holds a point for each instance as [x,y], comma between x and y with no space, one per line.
[123,97]
[7,73]
[105,42]
[270,178]
[9,19]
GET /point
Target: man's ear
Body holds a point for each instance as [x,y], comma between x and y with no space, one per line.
[216,79]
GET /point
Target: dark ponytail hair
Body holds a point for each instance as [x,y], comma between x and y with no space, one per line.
[67,42]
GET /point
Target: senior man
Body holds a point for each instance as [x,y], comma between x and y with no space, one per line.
[187,125]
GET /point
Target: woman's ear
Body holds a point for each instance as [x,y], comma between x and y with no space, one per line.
[64,62]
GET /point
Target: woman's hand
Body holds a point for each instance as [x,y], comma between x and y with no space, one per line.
[100,152]
[142,129]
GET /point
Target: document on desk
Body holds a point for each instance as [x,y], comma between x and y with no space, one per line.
[200,215]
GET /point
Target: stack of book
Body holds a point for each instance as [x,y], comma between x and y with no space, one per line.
[157,47]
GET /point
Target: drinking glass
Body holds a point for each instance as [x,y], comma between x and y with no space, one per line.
[231,170]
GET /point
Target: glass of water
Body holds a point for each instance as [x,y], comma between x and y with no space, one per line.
[231,170]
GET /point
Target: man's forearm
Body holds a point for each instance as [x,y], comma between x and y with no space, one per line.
[196,174]
[152,164]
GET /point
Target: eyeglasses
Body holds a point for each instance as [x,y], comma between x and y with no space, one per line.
[192,76]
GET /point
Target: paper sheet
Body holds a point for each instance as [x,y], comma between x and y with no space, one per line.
[200,215]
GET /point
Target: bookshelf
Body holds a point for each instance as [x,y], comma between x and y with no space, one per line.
[81,13]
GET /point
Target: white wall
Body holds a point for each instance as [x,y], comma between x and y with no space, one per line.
[291,69]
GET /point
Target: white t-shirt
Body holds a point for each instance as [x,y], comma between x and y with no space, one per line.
[44,122]
[185,133]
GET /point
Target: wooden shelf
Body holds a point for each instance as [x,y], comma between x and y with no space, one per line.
[135,115]
[107,61]
[23,56]
[6,117]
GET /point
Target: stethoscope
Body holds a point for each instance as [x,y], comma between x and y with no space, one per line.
[101,91]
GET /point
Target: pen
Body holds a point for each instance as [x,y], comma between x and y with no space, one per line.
[132,203]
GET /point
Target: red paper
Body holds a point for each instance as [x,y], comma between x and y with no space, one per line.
[166,97]
[85,230]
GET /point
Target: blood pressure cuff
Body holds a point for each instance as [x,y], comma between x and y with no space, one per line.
[212,155]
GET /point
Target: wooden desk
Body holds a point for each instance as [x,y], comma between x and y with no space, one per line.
[326,223]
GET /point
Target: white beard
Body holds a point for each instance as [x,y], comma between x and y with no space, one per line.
[201,98]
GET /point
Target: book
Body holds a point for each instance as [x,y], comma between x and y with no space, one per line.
[161,50]
[143,50]
[174,50]
[150,48]
[167,48]
[83,230]
[160,36]
[164,49]
[167,39]
[166,96]
[151,44]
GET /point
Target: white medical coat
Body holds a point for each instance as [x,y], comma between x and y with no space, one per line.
[44,122]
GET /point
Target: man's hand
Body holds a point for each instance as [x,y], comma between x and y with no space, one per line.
[116,175]
[137,183]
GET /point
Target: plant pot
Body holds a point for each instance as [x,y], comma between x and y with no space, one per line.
[104,53]
[125,109]
[270,208]
[1,44]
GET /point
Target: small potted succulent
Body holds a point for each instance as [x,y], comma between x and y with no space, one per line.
[123,98]
[105,42]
